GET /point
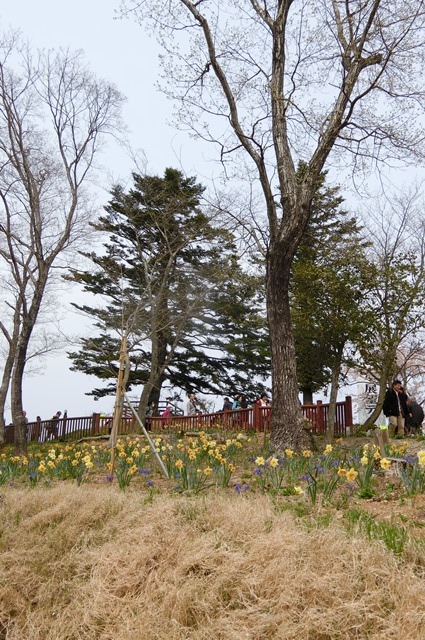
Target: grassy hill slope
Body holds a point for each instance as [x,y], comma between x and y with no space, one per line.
[91,562]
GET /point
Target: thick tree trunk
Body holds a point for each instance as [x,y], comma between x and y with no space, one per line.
[152,388]
[287,424]
[27,326]
[8,365]
[20,436]
[4,388]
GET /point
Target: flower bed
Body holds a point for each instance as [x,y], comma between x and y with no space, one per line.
[200,463]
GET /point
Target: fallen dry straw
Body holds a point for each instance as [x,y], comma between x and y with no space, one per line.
[91,563]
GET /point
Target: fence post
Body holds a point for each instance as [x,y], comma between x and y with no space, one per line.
[37,430]
[348,412]
[320,417]
[64,420]
[256,417]
[95,424]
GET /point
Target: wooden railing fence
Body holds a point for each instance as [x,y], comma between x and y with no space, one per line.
[255,418]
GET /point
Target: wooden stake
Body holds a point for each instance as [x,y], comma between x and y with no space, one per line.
[149,439]
[119,400]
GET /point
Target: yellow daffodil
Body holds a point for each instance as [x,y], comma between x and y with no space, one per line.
[342,472]
[273,462]
[298,491]
[351,475]
[207,471]
[364,461]
[260,461]
[179,464]
[421,458]
[385,464]
[307,453]
[328,450]
[289,453]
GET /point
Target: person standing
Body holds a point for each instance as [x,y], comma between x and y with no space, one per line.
[416,416]
[227,404]
[191,409]
[395,408]
[52,428]
[237,403]
[166,415]
[150,411]
[263,400]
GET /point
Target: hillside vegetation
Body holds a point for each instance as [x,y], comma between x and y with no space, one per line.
[90,562]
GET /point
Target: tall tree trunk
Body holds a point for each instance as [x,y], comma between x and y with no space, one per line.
[20,436]
[12,340]
[4,388]
[287,420]
[29,318]
[152,388]
[336,370]
[307,396]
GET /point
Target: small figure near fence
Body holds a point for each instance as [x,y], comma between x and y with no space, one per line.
[150,412]
[166,415]
[227,404]
[191,408]
[240,403]
[395,408]
[263,400]
[415,417]
[52,426]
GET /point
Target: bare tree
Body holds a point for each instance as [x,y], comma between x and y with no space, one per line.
[397,307]
[53,116]
[283,80]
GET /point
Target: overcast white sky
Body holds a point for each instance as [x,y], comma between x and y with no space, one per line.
[119,51]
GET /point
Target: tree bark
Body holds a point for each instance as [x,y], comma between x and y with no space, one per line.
[152,388]
[307,396]
[383,382]
[336,370]
[287,422]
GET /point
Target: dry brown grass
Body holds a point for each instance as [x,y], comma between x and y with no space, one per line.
[92,563]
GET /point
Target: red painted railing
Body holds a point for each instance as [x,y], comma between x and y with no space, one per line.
[255,418]
[71,428]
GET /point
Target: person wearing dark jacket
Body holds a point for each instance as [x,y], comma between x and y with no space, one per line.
[395,408]
[227,404]
[416,416]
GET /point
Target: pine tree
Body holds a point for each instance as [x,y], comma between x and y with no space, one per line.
[173,281]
